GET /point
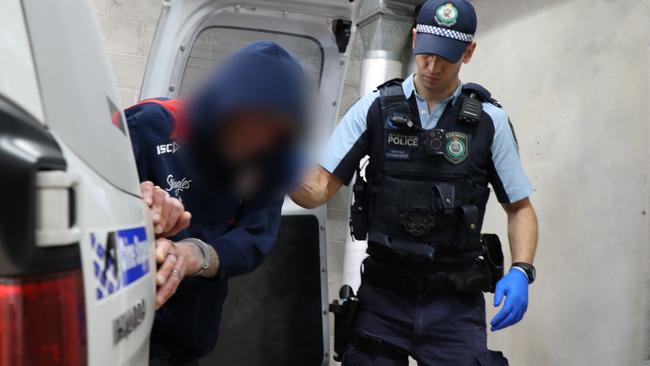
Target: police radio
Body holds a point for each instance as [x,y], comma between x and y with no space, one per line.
[471,109]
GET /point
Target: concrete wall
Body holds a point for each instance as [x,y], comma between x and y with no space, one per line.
[573,75]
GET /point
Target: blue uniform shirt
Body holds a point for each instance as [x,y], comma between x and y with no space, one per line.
[347,144]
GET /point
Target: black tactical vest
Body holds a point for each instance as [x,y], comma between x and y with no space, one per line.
[428,188]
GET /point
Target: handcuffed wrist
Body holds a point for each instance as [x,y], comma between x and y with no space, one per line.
[201,248]
[191,255]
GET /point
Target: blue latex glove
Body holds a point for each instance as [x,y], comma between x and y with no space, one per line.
[514,286]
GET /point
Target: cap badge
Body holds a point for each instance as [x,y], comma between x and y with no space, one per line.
[446,15]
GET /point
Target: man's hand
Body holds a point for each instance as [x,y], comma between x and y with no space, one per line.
[515,288]
[316,189]
[169,215]
[175,262]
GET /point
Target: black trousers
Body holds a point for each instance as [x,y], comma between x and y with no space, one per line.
[160,356]
[436,330]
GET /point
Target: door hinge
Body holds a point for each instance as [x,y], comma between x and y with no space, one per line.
[342,30]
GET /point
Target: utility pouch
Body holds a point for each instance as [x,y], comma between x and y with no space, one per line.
[345,311]
[359,218]
[469,235]
[493,257]
[383,247]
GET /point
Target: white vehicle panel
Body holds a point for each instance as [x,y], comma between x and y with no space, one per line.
[72,75]
[101,209]
[17,75]
[182,23]
[78,89]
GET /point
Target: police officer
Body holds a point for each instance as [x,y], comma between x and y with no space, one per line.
[434,145]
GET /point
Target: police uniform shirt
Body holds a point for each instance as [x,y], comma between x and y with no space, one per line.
[350,142]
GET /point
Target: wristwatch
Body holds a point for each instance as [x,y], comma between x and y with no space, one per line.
[528,269]
[203,247]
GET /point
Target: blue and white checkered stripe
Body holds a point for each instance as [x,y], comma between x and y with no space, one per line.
[444,32]
[106,280]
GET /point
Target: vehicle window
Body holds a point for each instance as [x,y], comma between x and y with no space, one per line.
[215,44]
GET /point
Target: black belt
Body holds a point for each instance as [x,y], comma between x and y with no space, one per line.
[466,280]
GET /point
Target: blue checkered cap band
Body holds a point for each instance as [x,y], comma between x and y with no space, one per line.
[444,32]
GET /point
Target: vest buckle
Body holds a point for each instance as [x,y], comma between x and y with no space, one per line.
[401,121]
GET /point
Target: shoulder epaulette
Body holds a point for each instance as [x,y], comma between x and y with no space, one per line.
[483,94]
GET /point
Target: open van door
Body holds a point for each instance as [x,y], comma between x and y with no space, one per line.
[278,314]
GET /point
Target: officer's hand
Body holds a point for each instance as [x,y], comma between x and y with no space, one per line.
[514,286]
[169,215]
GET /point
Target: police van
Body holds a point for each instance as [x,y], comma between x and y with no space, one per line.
[76,261]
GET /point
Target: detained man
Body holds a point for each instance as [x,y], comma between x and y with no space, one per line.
[228,154]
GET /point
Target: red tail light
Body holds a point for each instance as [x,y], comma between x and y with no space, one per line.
[42,320]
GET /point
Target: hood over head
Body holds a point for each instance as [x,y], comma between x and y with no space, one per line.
[261,76]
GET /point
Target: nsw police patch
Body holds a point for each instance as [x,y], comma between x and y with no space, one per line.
[446,15]
[456,147]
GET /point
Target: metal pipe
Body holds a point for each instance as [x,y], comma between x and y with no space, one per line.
[384,27]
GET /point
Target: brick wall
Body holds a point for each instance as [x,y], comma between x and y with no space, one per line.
[128,27]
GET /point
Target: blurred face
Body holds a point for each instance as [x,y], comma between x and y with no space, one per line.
[436,74]
[251,134]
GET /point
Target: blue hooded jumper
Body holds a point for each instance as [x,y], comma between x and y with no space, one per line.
[174,145]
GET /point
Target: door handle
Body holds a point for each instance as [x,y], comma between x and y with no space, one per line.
[56,221]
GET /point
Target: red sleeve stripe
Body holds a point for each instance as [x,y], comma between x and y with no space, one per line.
[175,108]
